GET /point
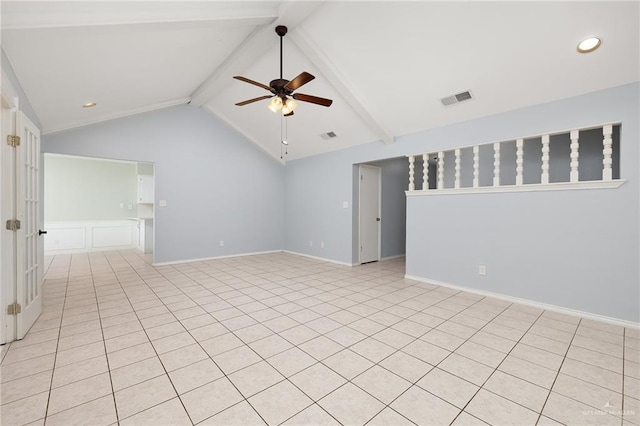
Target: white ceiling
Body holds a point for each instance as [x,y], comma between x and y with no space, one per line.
[385,64]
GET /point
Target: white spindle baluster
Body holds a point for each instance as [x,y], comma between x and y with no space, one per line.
[412,185]
[440,170]
[574,175]
[519,162]
[496,164]
[607,142]
[476,166]
[544,179]
[457,181]
[425,172]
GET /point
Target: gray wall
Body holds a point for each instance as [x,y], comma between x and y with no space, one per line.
[77,188]
[577,249]
[217,184]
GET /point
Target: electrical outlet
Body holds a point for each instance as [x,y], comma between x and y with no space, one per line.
[345,204]
[310,243]
[482,270]
[221,243]
[130,206]
[321,244]
[122,205]
[162,203]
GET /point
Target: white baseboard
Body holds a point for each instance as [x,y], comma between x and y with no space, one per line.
[202,259]
[324,259]
[397,256]
[540,305]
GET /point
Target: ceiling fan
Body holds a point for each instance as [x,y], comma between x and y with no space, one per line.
[282,97]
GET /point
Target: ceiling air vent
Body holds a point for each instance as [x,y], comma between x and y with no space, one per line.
[328,135]
[457,98]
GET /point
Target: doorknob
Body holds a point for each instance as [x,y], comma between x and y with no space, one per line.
[40,232]
[377,219]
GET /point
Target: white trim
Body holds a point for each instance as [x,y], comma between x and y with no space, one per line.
[9,94]
[541,305]
[556,186]
[324,259]
[228,122]
[203,259]
[120,114]
[332,74]
[397,256]
[82,157]
[26,15]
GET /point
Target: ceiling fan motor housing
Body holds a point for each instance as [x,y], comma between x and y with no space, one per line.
[278,86]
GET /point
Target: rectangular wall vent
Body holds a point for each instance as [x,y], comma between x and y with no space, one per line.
[457,98]
[328,135]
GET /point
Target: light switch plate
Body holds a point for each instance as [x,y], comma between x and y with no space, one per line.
[345,204]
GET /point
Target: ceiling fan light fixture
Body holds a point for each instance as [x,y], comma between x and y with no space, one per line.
[289,106]
[275,104]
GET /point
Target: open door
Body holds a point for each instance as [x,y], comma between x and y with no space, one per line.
[369,213]
[30,250]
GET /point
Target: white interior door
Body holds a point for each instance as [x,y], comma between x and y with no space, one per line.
[30,250]
[369,212]
[7,212]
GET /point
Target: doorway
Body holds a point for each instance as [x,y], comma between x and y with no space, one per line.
[96,204]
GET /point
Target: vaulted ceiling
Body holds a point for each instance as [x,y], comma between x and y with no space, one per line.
[385,64]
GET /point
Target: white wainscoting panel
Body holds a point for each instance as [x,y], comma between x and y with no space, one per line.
[87,236]
[111,236]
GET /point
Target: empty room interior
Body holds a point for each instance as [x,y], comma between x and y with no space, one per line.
[320,213]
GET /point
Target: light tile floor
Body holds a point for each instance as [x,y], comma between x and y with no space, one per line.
[282,339]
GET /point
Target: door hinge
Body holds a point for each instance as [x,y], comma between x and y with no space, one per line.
[14,309]
[13,225]
[361,177]
[13,140]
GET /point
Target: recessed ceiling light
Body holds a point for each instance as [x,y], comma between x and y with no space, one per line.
[89,105]
[589,44]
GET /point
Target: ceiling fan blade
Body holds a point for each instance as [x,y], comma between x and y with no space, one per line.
[313,99]
[302,79]
[253,100]
[255,83]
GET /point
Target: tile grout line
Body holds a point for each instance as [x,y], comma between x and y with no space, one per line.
[55,357]
[496,368]
[450,295]
[558,373]
[247,284]
[197,342]
[265,360]
[154,349]
[104,345]
[451,352]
